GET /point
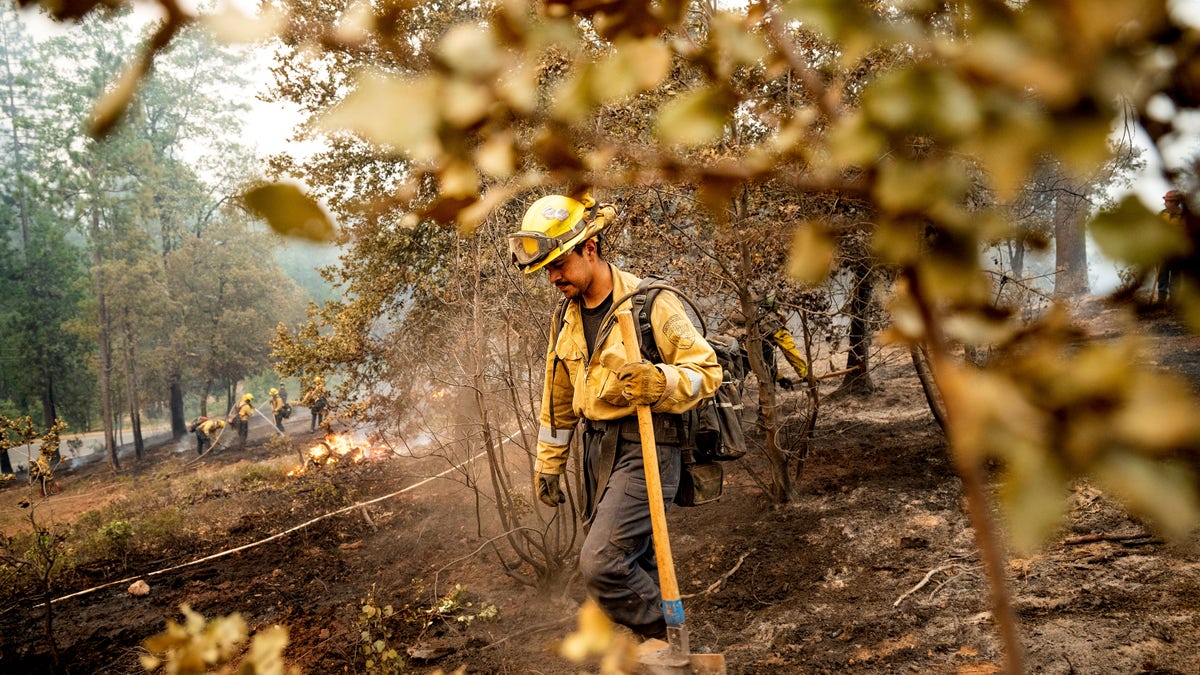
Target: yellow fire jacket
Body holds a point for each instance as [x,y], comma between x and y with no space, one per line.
[576,385]
[210,426]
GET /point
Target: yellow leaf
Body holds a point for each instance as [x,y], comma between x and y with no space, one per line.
[1159,414]
[572,98]
[289,211]
[1132,234]
[735,40]
[111,106]
[811,254]
[1162,491]
[1033,493]
[357,22]
[459,179]
[412,113]
[471,216]
[496,156]
[633,66]
[517,86]
[465,103]
[593,636]
[854,141]
[693,118]
[469,49]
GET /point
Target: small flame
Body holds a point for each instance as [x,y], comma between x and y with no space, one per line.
[335,449]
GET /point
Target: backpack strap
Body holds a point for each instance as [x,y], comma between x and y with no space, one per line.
[560,314]
[642,303]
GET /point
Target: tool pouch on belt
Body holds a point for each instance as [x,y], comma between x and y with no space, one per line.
[699,482]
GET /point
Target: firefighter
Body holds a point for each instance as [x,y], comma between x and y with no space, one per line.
[772,328]
[1167,277]
[206,429]
[241,418]
[590,382]
[279,408]
[316,399]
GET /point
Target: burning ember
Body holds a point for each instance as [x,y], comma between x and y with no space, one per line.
[335,449]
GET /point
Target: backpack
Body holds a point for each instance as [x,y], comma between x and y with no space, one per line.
[194,424]
[714,427]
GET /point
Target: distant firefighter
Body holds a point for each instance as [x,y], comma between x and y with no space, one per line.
[280,408]
[316,398]
[206,429]
[240,419]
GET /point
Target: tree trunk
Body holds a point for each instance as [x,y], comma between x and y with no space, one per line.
[106,405]
[49,409]
[131,393]
[204,392]
[178,423]
[1070,241]
[858,382]
[1017,258]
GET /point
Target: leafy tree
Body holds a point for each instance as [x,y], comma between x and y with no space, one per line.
[41,265]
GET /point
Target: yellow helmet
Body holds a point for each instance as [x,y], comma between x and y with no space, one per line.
[273,391]
[248,397]
[554,225]
[317,378]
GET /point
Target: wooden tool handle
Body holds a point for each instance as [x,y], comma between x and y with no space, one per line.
[658,511]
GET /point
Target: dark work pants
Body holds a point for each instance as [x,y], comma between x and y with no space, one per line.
[617,558]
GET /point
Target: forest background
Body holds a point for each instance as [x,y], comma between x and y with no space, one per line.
[882,169]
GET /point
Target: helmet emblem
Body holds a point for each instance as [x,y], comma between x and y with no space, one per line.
[555,213]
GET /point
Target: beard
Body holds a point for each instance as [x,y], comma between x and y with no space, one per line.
[569,291]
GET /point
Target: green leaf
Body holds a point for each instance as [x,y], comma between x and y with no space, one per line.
[289,211]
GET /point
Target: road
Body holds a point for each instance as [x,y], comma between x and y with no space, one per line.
[91,444]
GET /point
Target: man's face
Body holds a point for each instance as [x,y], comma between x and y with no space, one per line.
[1172,205]
[571,274]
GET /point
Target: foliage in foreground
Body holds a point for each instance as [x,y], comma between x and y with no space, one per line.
[913,123]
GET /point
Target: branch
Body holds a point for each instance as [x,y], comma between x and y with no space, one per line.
[724,577]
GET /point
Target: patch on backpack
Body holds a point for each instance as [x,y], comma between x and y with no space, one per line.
[680,332]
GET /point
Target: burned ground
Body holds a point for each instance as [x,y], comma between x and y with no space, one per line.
[872,570]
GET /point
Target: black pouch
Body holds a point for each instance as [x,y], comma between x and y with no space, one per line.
[700,483]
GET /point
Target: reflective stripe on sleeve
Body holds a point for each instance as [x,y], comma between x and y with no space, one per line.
[694,379]
[551,437]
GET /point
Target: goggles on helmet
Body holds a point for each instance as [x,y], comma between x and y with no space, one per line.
[530,248]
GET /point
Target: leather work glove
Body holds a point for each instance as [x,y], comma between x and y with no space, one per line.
[643,383]
[548,491]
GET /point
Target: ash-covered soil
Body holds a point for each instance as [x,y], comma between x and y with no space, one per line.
[873,569]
